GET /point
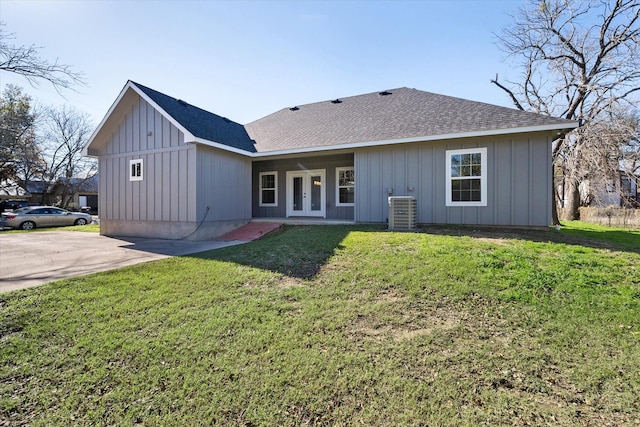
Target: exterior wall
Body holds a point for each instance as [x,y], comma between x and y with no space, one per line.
[162,204]
[281,166]
[518,181]
[188,191]
[223,191]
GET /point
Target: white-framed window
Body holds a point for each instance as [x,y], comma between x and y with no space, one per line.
[135,170]
[466,178]
[268,189]
[345,186]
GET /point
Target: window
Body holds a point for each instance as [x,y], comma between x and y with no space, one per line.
[135,170]
[345,179]
[269,189]
[467,177]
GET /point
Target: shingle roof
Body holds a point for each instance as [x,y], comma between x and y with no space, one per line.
[201,123]
[85,185]
[389,115]
[396,114]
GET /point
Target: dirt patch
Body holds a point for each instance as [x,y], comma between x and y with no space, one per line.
[496,241]
[287,282]
[374,327]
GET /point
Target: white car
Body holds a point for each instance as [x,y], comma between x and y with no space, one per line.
[42,216]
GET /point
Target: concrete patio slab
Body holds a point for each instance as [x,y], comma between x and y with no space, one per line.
[30,259]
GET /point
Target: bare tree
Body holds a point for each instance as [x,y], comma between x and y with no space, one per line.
[26,61]
[580,59]
[610,152]
[65,132]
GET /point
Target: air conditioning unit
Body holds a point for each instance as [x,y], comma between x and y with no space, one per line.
[402,213]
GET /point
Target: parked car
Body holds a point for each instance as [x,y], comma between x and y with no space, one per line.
[12,205]
[42,216]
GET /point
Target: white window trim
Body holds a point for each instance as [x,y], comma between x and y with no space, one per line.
[275,183]
[133,177]
[483,176]
[338,185]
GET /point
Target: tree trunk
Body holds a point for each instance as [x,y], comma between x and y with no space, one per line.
[555,220]
[572,205]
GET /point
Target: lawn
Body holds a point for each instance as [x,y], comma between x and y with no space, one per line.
[89,228]
[339,325]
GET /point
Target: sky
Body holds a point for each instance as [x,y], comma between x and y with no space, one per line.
[246,59]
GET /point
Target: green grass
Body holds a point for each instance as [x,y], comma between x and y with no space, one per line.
[621,237]
[340,325]
[89,228]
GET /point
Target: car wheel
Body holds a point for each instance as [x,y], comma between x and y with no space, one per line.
[28,225]
[81,221]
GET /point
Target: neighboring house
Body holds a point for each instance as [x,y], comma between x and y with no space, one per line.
[620,191]
[172,170]
[80,192]
[629,191]
[38,192]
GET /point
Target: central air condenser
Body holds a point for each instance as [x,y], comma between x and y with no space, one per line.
[402,213]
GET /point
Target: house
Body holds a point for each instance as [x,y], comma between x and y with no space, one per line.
[629,191]
[620,190]
[67,192]
[37,191]
[172,170]
[77,192]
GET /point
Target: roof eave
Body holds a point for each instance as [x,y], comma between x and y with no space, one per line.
[561,128]
[219,145]
[86,148]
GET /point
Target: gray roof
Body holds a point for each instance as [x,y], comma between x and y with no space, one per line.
[382,116]
[201,123]
[82,185]
[34,186]
[395,114]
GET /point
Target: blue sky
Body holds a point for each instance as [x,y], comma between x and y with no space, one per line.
[246,59]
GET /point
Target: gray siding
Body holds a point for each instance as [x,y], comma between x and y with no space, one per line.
[518,181]
[281,166]
[167,191]
[180,181]
[224,185]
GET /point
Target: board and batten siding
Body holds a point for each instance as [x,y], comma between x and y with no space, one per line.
[518,181]
[168,170]
[224,185]
[328,163]
[166,194]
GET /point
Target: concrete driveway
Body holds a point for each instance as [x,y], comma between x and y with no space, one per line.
[29,259]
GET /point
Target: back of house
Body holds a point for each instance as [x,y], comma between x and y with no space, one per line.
[172,170]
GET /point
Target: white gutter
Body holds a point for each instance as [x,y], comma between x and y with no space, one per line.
[540,128]
[220,146]
[190,138]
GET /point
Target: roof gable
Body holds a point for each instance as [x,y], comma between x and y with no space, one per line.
[196,124]
[201,123]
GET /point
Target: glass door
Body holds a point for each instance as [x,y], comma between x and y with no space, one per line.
[306,193]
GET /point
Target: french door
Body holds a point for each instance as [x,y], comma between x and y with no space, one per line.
[306,193]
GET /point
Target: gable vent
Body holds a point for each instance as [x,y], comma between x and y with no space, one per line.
[384,93]
[293,109]
[336,101]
